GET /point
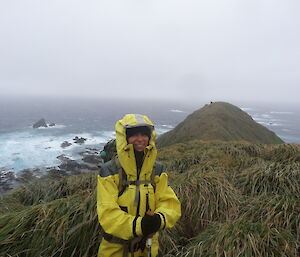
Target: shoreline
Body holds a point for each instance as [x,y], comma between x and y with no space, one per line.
[89,161]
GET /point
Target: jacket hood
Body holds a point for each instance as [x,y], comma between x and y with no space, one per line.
[126,152]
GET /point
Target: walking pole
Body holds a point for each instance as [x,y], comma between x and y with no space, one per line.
[150,213]
[149,242]
[149,239]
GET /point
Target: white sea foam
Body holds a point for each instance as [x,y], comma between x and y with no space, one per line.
[29,150]
[109,134]
[276,112]
[266,115]
[168,126]
[275,124]
[163,129]
[57,126]
[258,118]
[263,122]
[175,110]
[247,109]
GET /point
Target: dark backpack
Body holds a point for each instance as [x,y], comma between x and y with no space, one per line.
[109,150]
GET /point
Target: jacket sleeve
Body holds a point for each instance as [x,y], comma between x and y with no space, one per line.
[113,220]
[167,203]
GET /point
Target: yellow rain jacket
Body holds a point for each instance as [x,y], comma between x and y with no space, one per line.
[120,215]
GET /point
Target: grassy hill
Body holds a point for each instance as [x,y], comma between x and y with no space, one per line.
[238,199]
[219,121]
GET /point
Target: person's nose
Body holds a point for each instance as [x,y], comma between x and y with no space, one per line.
[140,137]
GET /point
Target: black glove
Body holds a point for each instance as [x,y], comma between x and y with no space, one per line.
[150,224]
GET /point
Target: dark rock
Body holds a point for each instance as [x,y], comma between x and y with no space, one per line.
[70,166]
[28,175]
[55,173]
[52,124]
[7,180]
[40,123]
[91,167]
[64,158]
[94,159]
[65,144]
[90,151]
[79,140]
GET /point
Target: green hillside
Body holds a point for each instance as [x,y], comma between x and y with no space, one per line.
[238,199]
[219,121]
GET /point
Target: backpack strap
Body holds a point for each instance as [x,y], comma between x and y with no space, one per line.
[122,176]
[152,179]
[124,183]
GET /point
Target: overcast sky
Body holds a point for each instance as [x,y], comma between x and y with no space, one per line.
[175,49]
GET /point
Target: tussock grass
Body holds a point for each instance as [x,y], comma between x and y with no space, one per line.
[205,197]
[241,238]
[181,165]
[280,211]
[231,157]
[172,240]
[271,178]
[216,182]
[8,204]
[64,227]
[284,153]
[253,150]
[46,190]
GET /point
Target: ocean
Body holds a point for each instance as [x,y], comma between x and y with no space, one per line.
[23,147]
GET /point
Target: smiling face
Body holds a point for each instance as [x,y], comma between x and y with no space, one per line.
[139,141]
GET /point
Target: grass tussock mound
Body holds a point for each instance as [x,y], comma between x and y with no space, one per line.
[64,227]
[284,153]
[241,238]
[270,178]
[194,154]
[205,197]
[280,211]
[47,190]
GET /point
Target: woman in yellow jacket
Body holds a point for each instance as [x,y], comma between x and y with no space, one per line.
[134,200]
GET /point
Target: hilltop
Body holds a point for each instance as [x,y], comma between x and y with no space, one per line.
[219,121]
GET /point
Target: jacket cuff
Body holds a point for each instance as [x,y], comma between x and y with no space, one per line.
[137,227]
[163,221]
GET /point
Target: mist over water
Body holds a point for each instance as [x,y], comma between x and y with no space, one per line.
[22,147]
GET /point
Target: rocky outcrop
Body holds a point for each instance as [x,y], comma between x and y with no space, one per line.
[79,140]
[40,123]
[65,144]
[7,179]
[28,175]
[93,159]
